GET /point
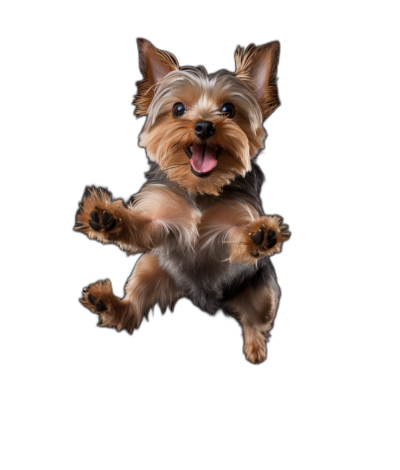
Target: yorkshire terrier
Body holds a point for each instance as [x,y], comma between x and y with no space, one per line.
[198,219]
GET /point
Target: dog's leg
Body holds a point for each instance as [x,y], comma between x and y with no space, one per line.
[255,308]
[148,285]
[154,216]
[240,233]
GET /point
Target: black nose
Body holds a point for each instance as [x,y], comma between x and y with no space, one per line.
[204,129]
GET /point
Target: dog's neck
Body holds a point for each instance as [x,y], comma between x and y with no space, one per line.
[241,188]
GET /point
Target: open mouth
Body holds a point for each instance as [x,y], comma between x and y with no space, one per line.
[203,159]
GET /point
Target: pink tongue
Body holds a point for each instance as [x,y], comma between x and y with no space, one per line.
[204,158]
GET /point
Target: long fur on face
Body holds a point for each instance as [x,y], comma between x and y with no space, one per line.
[239,139]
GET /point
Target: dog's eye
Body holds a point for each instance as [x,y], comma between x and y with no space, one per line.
[178,109]
[228,109]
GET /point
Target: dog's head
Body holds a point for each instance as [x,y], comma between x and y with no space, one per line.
[203,129]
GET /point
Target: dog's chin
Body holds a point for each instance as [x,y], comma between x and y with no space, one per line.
[203,159]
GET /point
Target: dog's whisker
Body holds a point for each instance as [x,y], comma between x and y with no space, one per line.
[177,150]
[234,243]
[175,165]
[230,140]
[177,143]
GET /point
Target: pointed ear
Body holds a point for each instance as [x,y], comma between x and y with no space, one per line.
[154,64]
[257,67]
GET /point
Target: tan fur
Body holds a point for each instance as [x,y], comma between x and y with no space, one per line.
[148,285]
[257,67]
[255,309]
[166,137]
[221,224]
[99,199]
[154,65]
[119,313]
[233,224]
[156,214]
[165,144]
[245,250]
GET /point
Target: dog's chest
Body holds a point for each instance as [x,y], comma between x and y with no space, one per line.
[204,266]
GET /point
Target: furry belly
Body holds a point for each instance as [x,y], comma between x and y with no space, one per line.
[207,283]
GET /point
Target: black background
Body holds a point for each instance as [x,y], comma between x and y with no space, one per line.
[98,146]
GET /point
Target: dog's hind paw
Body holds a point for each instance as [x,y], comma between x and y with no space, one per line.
[113,312]
[97,297]
[255,349]
[99,304]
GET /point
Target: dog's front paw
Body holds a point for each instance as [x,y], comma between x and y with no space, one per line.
[266,239]
[261,237]
[267,235]
[99,216]
[101,220]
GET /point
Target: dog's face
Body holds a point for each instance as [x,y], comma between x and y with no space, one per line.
[203,129]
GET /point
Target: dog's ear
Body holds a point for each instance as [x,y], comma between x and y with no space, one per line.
[154,64]
[257,67]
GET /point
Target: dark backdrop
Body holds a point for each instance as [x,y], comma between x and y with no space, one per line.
[99,147]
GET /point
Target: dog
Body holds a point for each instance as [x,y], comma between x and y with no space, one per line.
[198,219]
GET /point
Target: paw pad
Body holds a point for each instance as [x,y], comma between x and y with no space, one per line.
[106,223]
[99,304]
[258,237]
[267,240]
[270,240]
